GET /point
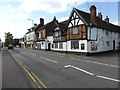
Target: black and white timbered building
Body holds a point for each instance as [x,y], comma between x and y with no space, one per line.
[59,36]
[88,33]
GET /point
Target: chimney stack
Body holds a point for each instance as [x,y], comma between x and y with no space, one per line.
[93,13]
[107,19]
[100,15]
[42,21]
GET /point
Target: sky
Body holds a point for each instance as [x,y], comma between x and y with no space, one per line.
[14,14]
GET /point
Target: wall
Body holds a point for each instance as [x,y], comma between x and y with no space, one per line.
[101,40]
[77,50]
[57,49]
[30,36]
[49,40]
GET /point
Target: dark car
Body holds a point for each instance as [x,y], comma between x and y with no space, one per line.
[10,47]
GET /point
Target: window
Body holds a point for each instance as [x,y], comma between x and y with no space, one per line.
[61,45]
[56,34]
[82,46]
[42,34]
[107,33]
[75,30]
[108,43]
[75,44]
[56,45]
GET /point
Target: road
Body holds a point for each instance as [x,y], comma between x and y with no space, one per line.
[46,69]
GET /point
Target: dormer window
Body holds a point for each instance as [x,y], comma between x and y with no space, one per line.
[56,34]
[75,30]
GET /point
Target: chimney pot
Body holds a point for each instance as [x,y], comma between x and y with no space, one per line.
[35,24]
[42,21]
[107,19]
[93,13]
[100,15]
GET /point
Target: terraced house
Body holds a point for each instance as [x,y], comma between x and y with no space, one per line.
[88,33]
[59,36]
[82,33]
[45,39]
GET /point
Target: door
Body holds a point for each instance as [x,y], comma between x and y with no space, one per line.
[113,44]
[49,47]
[39,46]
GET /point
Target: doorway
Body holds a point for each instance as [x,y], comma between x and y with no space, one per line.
[49,47]
[113,44]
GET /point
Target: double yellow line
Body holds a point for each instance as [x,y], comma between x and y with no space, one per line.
[31,75]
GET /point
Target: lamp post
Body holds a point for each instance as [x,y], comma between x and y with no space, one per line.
[32,21]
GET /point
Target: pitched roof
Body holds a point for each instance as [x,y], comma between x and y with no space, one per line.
[63,24]
[100,23]
[48,27]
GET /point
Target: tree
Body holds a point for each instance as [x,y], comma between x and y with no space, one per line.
[8,39]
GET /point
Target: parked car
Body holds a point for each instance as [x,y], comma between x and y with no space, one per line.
[10,47]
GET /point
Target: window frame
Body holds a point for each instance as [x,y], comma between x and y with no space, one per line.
[73,30]
[56,32]
[56,45]
[60,45]
[75,44]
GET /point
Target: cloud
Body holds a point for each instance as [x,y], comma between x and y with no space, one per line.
[17,16]
[51,6]
[63,19]
[115,23]
[18,30]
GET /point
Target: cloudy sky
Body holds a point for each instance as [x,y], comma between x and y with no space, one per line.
[14,14]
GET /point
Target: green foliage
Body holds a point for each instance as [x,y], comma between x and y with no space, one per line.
[8,39]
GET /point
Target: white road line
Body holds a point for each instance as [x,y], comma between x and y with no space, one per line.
[32,54]
[49,60]
[79,69]
[108,78]
[102,64]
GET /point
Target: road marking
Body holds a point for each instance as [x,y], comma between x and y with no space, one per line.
[39,80]
[49,60]
[32,54]
[102,64]
[30,75]
[79,69]
[108,78]
[77,59]
[23,67]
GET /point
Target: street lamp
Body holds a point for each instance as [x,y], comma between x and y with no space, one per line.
[32,21]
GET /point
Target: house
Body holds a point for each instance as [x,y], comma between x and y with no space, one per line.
[36,44]
[59,36]
[30,37]
[88,33]
[45,39]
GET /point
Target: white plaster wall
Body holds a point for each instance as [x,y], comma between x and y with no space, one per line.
[94,33]
[30,35]
[77,50]
[102,39]
[42,46]
[57,49]
[50,40]
[115,37]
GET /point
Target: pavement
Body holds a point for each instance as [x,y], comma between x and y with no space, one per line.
[60,70]
[13,75]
